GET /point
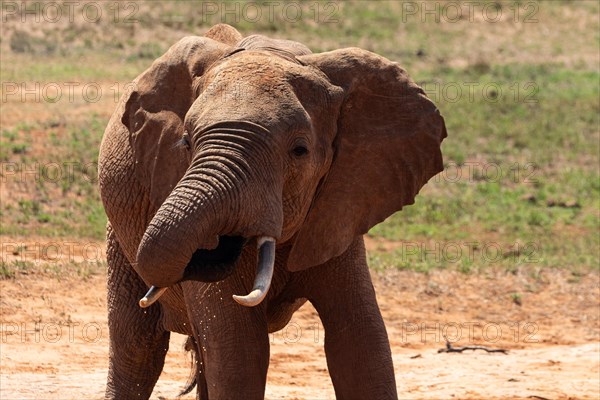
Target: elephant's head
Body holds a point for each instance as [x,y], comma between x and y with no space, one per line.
[238,144]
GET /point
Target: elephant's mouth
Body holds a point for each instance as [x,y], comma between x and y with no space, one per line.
[216,264]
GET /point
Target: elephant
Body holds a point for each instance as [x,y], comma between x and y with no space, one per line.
[239,176]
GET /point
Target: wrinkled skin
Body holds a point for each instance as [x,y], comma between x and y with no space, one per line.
[225,140]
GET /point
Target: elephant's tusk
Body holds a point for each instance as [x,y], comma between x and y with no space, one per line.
[150,298]
[264,273]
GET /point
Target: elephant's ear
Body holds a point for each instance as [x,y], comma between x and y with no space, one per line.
[387,146]
[155,110]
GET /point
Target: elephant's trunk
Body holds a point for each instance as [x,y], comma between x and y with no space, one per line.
[228,196]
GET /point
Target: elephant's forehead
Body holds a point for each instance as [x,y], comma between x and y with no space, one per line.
[251,89]
[256,70]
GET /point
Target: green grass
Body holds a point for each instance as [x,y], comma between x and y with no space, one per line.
[10,270]
[520,169]
[538,124]
[59,195]
[87,66]
[6,271]
[59,270]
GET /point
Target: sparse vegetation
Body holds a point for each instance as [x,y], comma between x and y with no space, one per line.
[10,270]
[54,192]
[517,298]
[521,189]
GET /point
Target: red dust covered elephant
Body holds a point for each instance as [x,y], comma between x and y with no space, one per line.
[238,178]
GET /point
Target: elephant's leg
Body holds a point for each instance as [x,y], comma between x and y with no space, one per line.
[202,385]
[356,342]
[233,339]
[138,344]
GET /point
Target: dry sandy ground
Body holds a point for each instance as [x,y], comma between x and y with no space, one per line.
[54,337]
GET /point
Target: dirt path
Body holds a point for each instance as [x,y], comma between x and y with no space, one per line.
[53,338]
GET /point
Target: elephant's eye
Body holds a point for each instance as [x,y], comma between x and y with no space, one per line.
[300,150]
[185,140]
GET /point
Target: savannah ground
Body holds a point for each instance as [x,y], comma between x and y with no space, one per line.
[500,250]
[55,338]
